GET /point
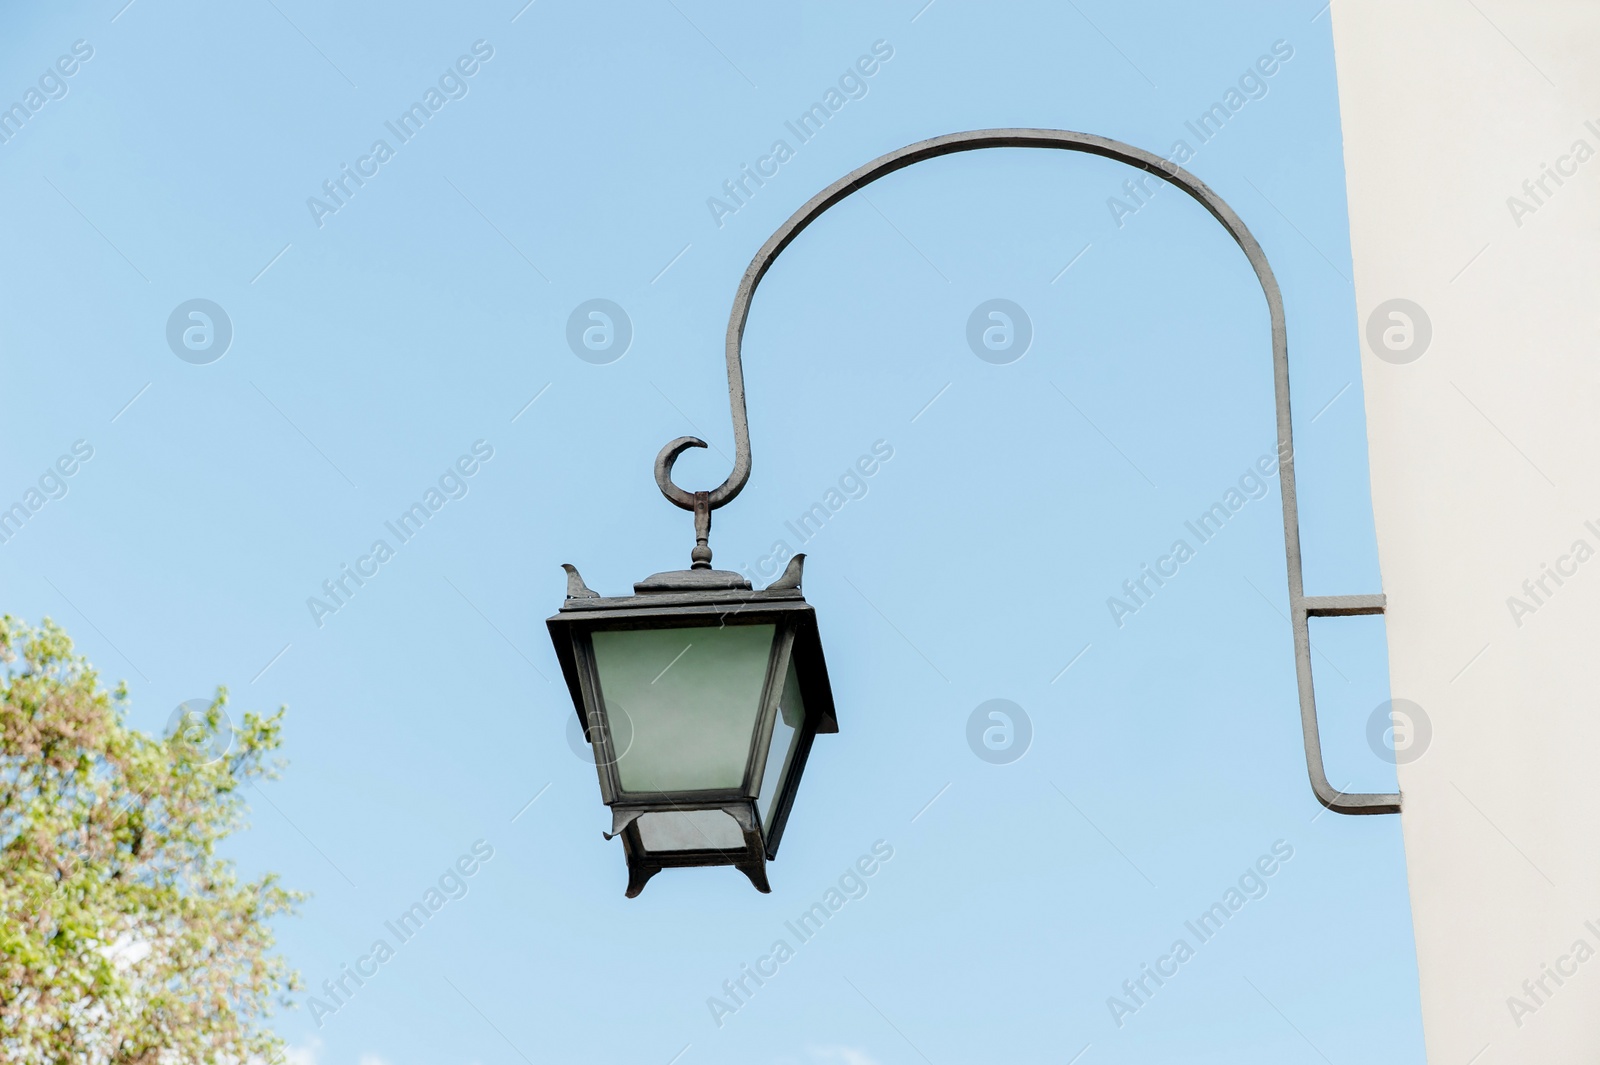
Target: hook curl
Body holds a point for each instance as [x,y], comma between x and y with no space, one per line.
[664,461]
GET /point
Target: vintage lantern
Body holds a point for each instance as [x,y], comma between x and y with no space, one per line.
[700,697]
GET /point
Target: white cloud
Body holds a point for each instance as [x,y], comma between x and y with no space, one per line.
[847,1055]
[307,1053]
[310,1053]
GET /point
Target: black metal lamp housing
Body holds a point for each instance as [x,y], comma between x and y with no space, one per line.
[700,697]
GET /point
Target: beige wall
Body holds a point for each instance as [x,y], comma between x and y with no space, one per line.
[1485,457]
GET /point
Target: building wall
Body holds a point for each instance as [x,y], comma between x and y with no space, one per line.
[1484,471]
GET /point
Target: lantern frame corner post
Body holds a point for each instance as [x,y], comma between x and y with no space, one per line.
[1301,605]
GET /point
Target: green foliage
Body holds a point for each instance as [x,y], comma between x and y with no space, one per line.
[124,937]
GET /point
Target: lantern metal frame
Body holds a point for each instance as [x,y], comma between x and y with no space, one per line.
[685,600]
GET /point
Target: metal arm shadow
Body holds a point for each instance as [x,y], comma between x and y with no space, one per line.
[1301,606]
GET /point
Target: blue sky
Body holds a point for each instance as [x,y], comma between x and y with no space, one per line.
[574,155]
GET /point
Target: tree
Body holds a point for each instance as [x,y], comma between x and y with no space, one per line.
[125,939]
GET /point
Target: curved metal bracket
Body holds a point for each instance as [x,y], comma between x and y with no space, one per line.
[1301,607]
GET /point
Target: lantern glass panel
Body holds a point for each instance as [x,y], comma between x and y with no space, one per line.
[785,736]
[690,830]
[691,696]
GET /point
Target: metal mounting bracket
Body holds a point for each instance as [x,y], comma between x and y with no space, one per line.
[1302,607]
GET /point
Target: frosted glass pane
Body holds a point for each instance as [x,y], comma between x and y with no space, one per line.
[785,731]
[690,830]
[691,696]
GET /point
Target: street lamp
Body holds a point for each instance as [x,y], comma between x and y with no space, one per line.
[701,695]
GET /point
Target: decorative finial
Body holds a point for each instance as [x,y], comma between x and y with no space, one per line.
[789,580]
[576,589]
